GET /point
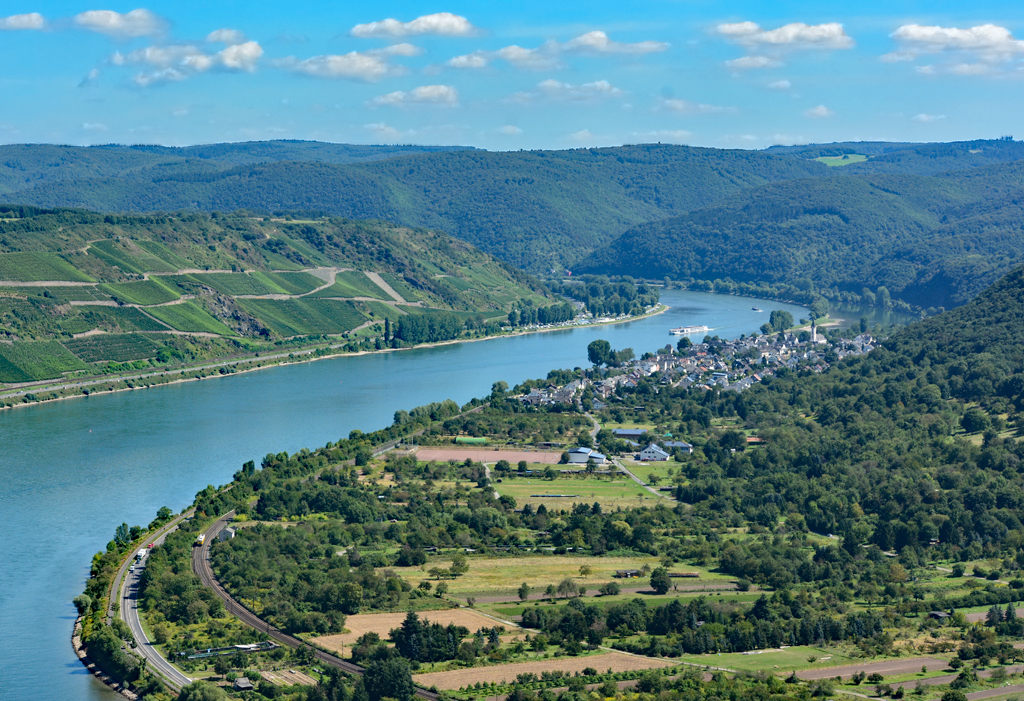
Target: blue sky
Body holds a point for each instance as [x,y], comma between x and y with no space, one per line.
[509,75]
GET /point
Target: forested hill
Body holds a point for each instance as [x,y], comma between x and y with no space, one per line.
[909,158]
[537,210]
[934,241]
[24,166]
[912,446]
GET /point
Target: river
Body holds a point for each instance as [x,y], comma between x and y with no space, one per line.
[71,471]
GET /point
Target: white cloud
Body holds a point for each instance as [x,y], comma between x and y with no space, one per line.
[94,126]
[177,62]
[669,135]
[382,129]
[32,20]
[511,130]
[240,57]
[582,135]
[780,85]
[226,36]
[439,24]
[530,59]
[985,38]
[403,49]
[137,23]
[167,75]
[598,41]
[90,78]
[819,112]
[180,112]
[926,118]
[748,62]
[557,91]
[978,50]
[787,140]
[425,94]
[687,107]
[353,65]
[477,59]
[796,35]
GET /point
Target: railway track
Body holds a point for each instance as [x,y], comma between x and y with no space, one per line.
[201,566]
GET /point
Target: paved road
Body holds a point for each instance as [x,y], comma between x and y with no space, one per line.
[201,566]
[129,612]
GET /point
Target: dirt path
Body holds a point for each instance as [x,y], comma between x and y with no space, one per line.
[379,281]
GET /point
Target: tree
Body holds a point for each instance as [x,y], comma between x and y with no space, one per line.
[954,695]
[660,581]
[780,320]
[459,565]
[586,570]
[389,678]
[599,352]
[609,589]
[498,389]
[524,591]
[683,344]
[202,691]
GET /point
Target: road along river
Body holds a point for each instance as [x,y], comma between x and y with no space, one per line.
[71,471]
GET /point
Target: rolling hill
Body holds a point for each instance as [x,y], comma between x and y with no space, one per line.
[933,241]
[78,287]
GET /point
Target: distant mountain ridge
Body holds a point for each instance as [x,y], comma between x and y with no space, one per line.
[933,222]
[931,240]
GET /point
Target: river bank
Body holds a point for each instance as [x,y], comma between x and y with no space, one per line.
[39,393]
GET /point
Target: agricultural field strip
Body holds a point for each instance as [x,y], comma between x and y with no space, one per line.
[614,660]
[383,623]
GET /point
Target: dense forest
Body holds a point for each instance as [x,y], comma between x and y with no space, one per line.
[933,241]
[537,210]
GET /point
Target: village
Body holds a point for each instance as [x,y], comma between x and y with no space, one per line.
[713,363]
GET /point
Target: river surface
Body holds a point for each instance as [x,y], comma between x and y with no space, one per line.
[71,471]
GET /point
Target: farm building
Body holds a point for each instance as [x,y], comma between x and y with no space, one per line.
[653,453]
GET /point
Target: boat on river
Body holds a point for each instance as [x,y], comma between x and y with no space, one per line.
[687,330]
[756,309]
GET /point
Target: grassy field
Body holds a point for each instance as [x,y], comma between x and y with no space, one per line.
[117,347]
[39,360]
[786,660]
[502,576]
[146,292]
[189,317]
[845,160]
[35,267]
[659,469]
[610,494]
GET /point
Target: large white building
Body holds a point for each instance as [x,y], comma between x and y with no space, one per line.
[580,456]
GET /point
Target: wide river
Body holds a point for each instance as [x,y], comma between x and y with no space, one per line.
[71,471]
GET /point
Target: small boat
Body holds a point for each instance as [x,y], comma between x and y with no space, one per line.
[756,309]
[687,330]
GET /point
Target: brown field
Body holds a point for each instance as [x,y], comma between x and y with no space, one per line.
[485,455]
[288,677]
[886,667]
[383,623]
[615,661]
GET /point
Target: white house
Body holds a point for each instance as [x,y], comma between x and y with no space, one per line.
[580,456]
[653,453]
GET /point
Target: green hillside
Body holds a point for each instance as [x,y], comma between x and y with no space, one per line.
[537,210]
[78,287]
[932,241]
